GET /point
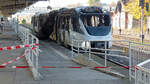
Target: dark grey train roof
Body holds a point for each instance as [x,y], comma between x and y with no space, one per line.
[84,9]
[78,10]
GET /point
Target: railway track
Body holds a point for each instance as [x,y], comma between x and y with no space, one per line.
[129,38]
[136,46]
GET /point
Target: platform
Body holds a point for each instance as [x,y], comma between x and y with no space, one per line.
[52,55]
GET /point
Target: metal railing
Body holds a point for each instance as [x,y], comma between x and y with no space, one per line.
[122,52]
[142,73]
[31,57]
[139,53]
[108,50]
[5,26]
[1,28]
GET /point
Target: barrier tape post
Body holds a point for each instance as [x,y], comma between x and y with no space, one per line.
[31,57]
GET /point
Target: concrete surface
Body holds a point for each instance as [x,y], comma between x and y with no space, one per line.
[9,76]
[60,57]
[51,55]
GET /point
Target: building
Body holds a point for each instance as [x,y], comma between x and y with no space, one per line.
[122,20]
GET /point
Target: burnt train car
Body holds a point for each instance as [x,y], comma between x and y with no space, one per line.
[82,23]
[43,24]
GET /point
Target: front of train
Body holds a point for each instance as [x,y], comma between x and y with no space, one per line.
[97,28]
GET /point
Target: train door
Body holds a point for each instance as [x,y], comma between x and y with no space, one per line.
[56,29]
[60,29]
[36,24]
[67,31]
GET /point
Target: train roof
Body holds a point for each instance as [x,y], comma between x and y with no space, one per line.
[81,10]
[78,10]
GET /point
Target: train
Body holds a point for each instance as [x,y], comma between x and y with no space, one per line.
[81,23]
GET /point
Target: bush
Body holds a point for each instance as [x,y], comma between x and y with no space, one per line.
[23,21]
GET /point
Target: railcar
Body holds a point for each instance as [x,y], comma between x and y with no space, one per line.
[43,24]
[92,25]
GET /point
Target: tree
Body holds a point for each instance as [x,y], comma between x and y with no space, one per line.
[94,2]
[23,21]
[133,8]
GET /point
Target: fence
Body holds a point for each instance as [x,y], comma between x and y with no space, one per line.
[113,51]
[125,53]
[5,25]
[142,73]
[139,53]
[31,57]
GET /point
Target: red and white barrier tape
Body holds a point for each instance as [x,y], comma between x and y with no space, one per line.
[71,67]
[18,46]
[9,62]
[14,60]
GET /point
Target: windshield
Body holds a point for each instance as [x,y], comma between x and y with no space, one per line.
[97,25]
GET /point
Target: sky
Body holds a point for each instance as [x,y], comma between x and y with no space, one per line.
[108,1]
[63,3]
[60,3]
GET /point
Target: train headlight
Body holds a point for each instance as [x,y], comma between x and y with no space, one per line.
[86,45]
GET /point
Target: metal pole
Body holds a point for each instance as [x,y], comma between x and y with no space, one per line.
[78,48]
[120,23]
[147,24]
[130,61]
[17,24]
[136,76]
[105,54]
[32,54]
[37,61]
[72,48]
[90,53]
[142,35]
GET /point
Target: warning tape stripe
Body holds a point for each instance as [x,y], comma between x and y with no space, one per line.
[74,67]
[16,59]
[18,46]
[6,63]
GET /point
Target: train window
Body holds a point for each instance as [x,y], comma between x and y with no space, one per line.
[75,24]
[96,24]
[95,20]
[58,22]
[67,22]
[61,22]
[70,24]
[107,20]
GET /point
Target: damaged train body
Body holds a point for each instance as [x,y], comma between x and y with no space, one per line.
[43,24]
[82,23]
